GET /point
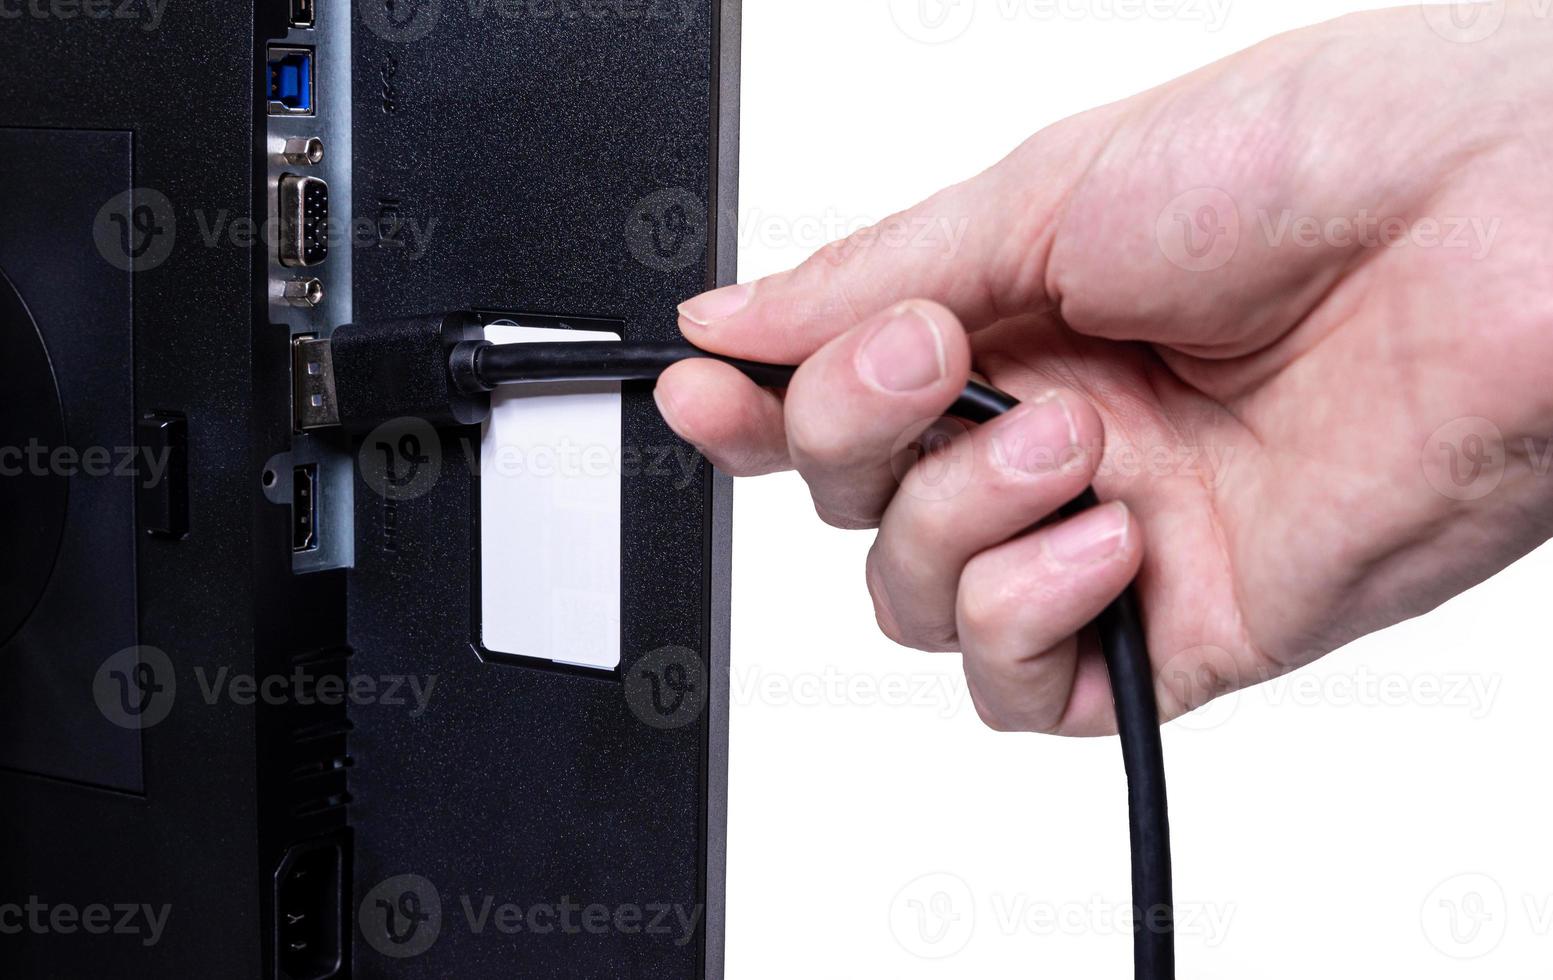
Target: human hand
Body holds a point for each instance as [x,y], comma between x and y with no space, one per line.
[1291,314]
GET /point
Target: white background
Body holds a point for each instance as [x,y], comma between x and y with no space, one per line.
[1326,826]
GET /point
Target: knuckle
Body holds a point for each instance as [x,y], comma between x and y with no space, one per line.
[823,440]
[991,718]
[884,612]
[992,714]
[923,628]
[844,520]
[984,609]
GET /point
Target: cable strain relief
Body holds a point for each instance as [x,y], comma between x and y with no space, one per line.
[464,367]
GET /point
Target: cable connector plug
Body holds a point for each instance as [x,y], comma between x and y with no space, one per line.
[368,373]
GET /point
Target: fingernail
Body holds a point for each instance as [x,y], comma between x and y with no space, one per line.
[906,354]
[1041,437]
[1091,537]
[719,304]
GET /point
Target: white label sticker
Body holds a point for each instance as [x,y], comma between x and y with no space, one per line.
[550,468]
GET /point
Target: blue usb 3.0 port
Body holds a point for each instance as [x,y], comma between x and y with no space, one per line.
[290,81]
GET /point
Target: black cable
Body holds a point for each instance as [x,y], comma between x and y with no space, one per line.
[477,365]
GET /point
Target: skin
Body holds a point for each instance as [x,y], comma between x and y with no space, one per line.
[1273,417]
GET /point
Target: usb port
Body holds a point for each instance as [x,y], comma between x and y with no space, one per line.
[314,402]
[304,508]
[302,13]
[304,220]
[289,78]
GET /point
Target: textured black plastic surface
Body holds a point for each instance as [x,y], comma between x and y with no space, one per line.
[29,414]
[174,85]
[523,164]
[49,724]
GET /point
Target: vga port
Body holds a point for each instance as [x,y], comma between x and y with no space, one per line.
[304,220]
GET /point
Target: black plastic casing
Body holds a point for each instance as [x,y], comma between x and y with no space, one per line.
[541,163]
[398,368]
[571,164]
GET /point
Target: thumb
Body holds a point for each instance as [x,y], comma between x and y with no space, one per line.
[977,247]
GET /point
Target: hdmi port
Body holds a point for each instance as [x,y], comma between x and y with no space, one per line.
[304,508]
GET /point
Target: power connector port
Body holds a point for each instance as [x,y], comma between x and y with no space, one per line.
[309,912]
